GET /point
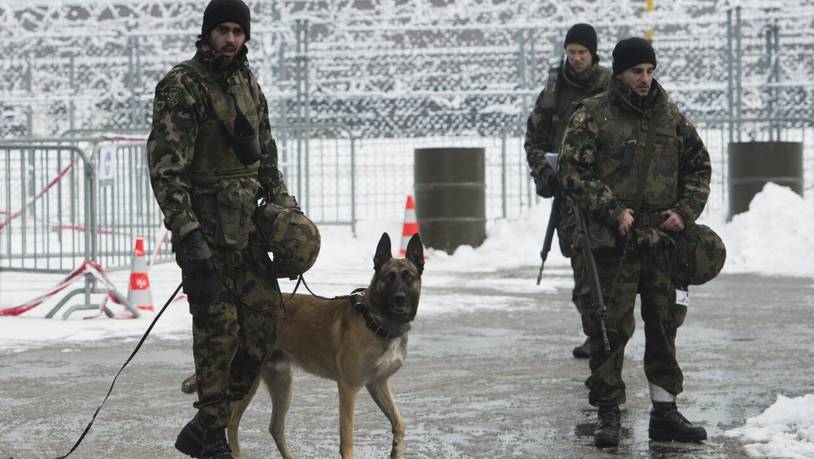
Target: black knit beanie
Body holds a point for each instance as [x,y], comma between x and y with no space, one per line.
[631,52]
[582,34]
[220,11]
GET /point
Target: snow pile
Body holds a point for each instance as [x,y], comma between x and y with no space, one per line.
[785,429]
[510,244]
[774,237]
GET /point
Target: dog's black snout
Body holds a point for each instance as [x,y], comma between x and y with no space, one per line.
[399,298]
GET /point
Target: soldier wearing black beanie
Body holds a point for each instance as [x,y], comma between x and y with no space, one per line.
[585,35]
[577,76]
[631,52]
[639,188]
[220,11]
[210,133]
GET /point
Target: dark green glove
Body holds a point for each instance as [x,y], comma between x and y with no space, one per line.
[201,282]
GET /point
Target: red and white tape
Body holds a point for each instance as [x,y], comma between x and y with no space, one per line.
[92,267]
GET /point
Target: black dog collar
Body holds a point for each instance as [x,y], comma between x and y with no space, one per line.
[356,299]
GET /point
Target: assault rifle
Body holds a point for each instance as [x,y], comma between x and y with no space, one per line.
[549,235]
[583,238]
[553,218]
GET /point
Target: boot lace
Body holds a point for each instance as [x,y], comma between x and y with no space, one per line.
[608,416]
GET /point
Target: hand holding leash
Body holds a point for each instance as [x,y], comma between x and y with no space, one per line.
[198,270]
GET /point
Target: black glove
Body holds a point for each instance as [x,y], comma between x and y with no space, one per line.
[545,181]
[201,282]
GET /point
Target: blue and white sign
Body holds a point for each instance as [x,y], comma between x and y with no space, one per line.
[107,162]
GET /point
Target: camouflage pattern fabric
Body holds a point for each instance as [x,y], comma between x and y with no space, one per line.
[592,175]
[590,164]
[547,122]
[199,183]
[183,112]
[698,256]
[290,235]
[231,339]
[645,271]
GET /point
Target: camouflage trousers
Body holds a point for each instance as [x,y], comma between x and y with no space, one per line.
[644,272]
[231,338]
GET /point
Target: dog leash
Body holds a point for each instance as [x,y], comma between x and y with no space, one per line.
[358,306]
[113,383]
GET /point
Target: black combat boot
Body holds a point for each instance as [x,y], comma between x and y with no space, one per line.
[607,429]
[583,351]
[667,424]
[197,441]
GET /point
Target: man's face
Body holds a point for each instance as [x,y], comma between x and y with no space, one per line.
[579,57]
[227,38]
[639,78]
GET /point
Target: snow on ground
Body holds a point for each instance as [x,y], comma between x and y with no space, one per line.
[785,429]
[773,238]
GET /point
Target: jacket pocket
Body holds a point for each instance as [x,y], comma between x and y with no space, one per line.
[235,209]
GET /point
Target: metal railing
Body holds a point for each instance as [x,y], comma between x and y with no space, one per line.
[318,163]
[66,202]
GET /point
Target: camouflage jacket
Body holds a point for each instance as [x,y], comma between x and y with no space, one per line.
[554,106]
[182,162]
[591,171]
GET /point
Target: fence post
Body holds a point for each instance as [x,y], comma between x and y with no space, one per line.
[72,87]
[730,60]
[503,177]
[352,184]
[739,68]
[29,87]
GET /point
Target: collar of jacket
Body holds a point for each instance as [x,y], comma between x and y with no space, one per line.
[624,97]
[216,63]
[584,80]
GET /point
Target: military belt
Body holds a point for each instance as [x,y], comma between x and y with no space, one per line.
[651,220]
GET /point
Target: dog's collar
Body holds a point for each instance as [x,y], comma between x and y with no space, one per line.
[357,300]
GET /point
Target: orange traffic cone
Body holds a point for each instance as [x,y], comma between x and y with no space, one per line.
[410,225]
[139,293]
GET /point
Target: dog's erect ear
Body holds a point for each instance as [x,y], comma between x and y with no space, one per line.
[415,252]
[382,252]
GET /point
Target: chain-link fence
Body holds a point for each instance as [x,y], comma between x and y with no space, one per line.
[395,69]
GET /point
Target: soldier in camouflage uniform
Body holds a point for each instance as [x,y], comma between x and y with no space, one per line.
[639,170]
[578,76]
[211,158]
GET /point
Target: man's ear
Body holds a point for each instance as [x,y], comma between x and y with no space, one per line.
[415,252]
[382,252]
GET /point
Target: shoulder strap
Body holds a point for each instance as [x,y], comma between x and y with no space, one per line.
[551,88]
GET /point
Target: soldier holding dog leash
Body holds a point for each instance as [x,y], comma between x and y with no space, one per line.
[212,158]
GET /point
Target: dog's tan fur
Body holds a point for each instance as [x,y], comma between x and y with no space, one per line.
[328,338]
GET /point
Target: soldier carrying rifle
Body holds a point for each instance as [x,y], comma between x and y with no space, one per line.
[576,77]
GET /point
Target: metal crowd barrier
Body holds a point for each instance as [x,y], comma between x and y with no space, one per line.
[65,202]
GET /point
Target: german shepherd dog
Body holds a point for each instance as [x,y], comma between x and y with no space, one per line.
[357,341]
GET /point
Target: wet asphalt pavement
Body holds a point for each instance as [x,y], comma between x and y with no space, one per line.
[488,383]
